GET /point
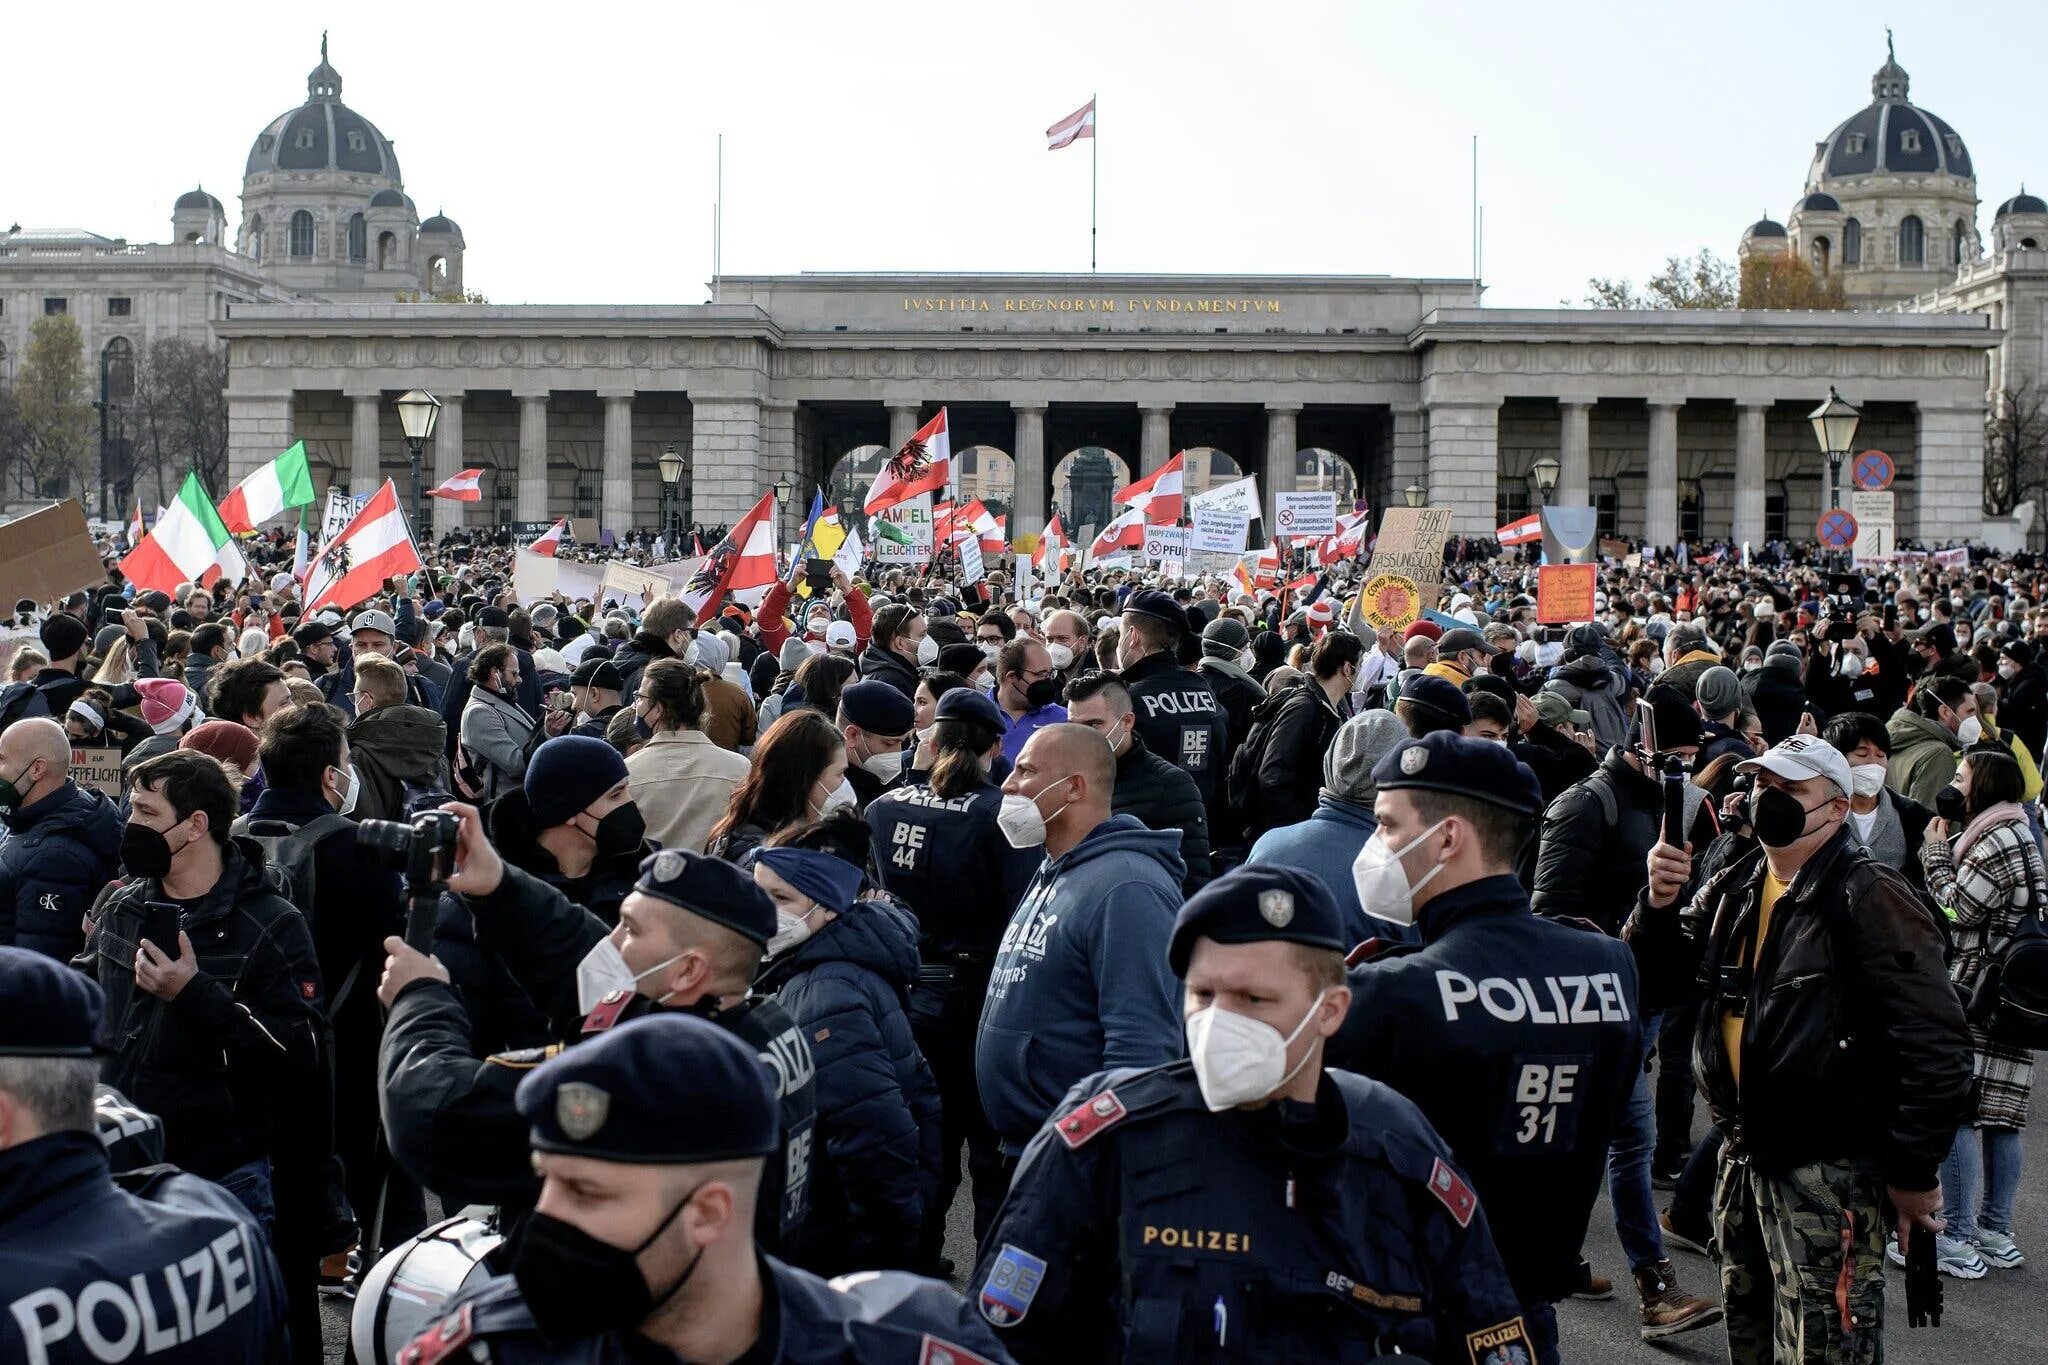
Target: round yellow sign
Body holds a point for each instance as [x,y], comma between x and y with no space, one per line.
[1390,601]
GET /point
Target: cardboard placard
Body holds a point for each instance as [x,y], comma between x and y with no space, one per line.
[1411,545]
[575,579]
[48,554]
[1564,593]
[1239,497]
[1306,514]
[99,769]
[533,575]
[633,587]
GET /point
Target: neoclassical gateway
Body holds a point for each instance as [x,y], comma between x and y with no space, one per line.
[1672,424]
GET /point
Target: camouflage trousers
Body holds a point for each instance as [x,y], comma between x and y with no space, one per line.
[1802,1264]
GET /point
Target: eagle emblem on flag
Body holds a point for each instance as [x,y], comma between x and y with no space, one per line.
[713,570]
[911,462]
[335,560]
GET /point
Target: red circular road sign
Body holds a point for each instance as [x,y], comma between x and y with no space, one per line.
[1874,471]
[1836,529]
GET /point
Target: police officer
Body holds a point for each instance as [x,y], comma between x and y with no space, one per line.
[689,938]
[650,1142]
[1517,1036]
[874,718]
[1247,1203]
[1178,717]
[937,846]
[163,1266]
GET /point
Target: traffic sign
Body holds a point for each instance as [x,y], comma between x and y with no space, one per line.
[1836,529]
[1874,471]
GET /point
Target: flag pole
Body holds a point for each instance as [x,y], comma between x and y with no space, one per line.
[1094,152]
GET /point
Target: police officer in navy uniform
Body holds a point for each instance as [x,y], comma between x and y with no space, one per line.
[1518,1036]
[1247,1203]
[1178,715]
[651,1142]
[160,1265]
[689,938]
[937,847]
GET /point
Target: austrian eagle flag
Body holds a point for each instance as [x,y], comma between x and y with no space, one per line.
[354,566]
[924,465]
[742,563]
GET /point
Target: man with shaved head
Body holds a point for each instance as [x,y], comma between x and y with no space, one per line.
[62,844]
[1080,982]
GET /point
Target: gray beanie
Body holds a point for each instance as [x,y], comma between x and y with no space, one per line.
[1719,691]
[1783,654]
[1225,638]
[711,651]
[1358,744]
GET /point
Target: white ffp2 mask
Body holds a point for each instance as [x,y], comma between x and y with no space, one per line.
[1381,878]
[1239,1059]
[603,973]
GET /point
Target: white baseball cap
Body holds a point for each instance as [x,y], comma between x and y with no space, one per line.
[1800,757]
[839,635]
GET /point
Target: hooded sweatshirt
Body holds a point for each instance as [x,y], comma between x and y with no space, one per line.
[1591,686]
[1923,758]
[1080,982]
[395,747]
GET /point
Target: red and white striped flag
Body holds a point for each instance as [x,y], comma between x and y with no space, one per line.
[1052,545]
[924,465]
[1077,125]
[551,539]
[743,563]
[1158,494]
[355,565]
[1126,532]
[462,488]
[135,526]
[1524,532]
[1346,543]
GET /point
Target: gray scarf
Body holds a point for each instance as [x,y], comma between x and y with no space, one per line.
[1887,841]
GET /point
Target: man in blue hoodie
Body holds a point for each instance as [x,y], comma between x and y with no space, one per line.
[1080,982]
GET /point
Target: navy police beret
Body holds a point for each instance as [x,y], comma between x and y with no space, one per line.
[1440,695]
[1450,763]
[1254,903]
[668,1088]
[964,703]
[1160,606]
[878,707]
[46,1009]
[711,887]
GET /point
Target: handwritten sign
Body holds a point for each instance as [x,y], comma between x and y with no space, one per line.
[1564,593]
[1411,545]
[1166,542]
[99,769]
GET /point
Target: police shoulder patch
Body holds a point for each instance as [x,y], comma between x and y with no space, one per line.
[1013,1280]
[1093,1115]
[1453,1193]
[441,1341]
[1505,1343]
[937,1352]
[607,1012]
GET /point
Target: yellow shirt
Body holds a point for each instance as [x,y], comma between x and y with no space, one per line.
[1731,1024]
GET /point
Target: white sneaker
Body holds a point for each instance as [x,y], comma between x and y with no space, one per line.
[1958,1258]
[1998,1249]
[1892,1252]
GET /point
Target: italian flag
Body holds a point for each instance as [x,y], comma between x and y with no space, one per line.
[354,566]
[285,482]
[186,541]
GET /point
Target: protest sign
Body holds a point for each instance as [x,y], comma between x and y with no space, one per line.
[533,575]
[1218,532]
[1411,545]
[1876,529]
[575,579]
[48,554]
[1166,542]
[99,769]
[970,561]
[1564,593]
[903,533]
[1239,497]
[1306,514]
[341,510]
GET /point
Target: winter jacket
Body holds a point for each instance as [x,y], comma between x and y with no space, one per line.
[1590,868]
[1291,766]
[2023,706]
[455,697]
[1557,760]
[730,720]
[1853,1042]
[634,656]
[775,608]
[210,1062]
[876,1150]
[199,676]
[1324,846]
[682,783]
[1080,982]
[1237,692]
[498,735]
[1684,673]
[395,747]
[1924,756]
[56,856]
[1777,695]
[155,746]
[1591,686]
[1163,797]
[888,666]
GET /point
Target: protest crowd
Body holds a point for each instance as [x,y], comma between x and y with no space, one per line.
[611,954]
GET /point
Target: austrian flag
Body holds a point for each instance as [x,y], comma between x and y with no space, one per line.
[1158,494]
[924,465]
[462,488]
[354,566]
[1526,531]
[1072,128]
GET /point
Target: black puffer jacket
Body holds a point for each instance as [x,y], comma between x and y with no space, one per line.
[634,656]
[1777,695]
[887,666]
[1291,768]
[58,854]
[1587,868]
[1163,797]
[1854,1046]
[877,1153]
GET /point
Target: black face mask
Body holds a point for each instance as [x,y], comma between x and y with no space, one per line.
[642,728]
[1777,817]
[578,1286]
[1950,805]
[1044,692]
[620,831]
[145,852]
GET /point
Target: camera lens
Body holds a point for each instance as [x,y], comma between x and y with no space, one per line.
[386,843]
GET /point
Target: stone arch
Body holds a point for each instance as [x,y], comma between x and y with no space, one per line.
[1082,483]
[387,250]
[117,363]
[358,239]
[1317,469]
[1912,240]
[300,241]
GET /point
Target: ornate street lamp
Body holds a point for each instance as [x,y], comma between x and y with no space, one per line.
[671,466]
[418,410]
[1545,472]
[1416,494]
[1834,426]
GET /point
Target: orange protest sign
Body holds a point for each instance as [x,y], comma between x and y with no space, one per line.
[1564,592]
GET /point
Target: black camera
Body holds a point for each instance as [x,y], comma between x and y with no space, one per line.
[424,851]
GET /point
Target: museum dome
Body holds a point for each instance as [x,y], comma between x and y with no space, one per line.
[1819,203]
[1891,136]
[438,223]
[197,199]
[389,199]
[2021,203]
[1766,226]
[323,134]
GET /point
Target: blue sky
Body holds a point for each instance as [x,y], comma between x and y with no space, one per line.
[575,145]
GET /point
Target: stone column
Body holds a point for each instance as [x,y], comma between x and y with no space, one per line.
[903,421]
[533,457]
[1464,464]
[447,515]
[1027,498]
[1749,472]
[1155,444]
[365,468]
[259,425]
[1660,489]
[1574,454]
[1948,475]
[778,461]
[1281,446]
[615,503]
[1407,457]
[727,477]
